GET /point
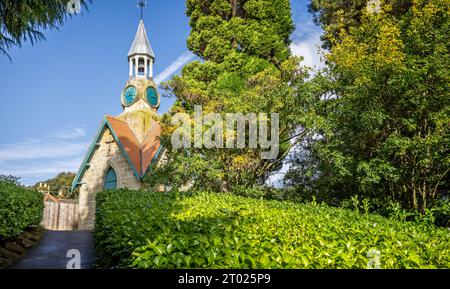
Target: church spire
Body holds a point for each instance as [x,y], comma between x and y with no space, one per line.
[141,45]
[141,56]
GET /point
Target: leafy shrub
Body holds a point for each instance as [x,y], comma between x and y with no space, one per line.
[20,208]
[210,230]
[438,215]
[10,179]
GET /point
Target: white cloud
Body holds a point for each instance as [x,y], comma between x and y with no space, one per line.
[36,169]
[41,158]
[40,149]
[309,48]
[70,134]
[174,67]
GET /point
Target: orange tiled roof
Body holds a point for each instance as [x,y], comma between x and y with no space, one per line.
[140,155]
[150,146]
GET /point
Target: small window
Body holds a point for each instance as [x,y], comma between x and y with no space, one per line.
[110,180]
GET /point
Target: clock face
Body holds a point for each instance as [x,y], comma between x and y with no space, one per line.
[152,96]
[129,95]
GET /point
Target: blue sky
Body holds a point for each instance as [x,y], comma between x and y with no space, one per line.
[54,94]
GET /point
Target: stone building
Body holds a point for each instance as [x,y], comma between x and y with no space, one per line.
[126,145]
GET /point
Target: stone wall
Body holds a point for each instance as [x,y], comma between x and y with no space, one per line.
[107,155]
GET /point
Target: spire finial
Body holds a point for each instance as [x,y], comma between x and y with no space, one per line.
[142,4]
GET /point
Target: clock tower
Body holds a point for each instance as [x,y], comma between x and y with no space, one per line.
[140,88]
[126,147]
[140,98]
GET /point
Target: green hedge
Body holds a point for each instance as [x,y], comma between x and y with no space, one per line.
[20,208]
[209,230]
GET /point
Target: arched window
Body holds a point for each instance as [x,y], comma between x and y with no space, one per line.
[141,66]
[110,180]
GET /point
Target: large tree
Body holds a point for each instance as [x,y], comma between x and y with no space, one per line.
[245,67]
[386,118]
[335,15]
[25,20]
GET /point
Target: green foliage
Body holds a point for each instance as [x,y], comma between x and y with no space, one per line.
[438,215]
[355,203]
[396,212]
[20,208]
[10,179]
[254,27]
[366,206]
[210,230]
[385,111]
[337,15]
[24,20]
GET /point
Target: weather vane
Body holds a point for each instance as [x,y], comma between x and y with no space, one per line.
[142,4]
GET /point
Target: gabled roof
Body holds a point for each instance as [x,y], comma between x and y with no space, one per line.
[141,45]
[128,140]
[139,156]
